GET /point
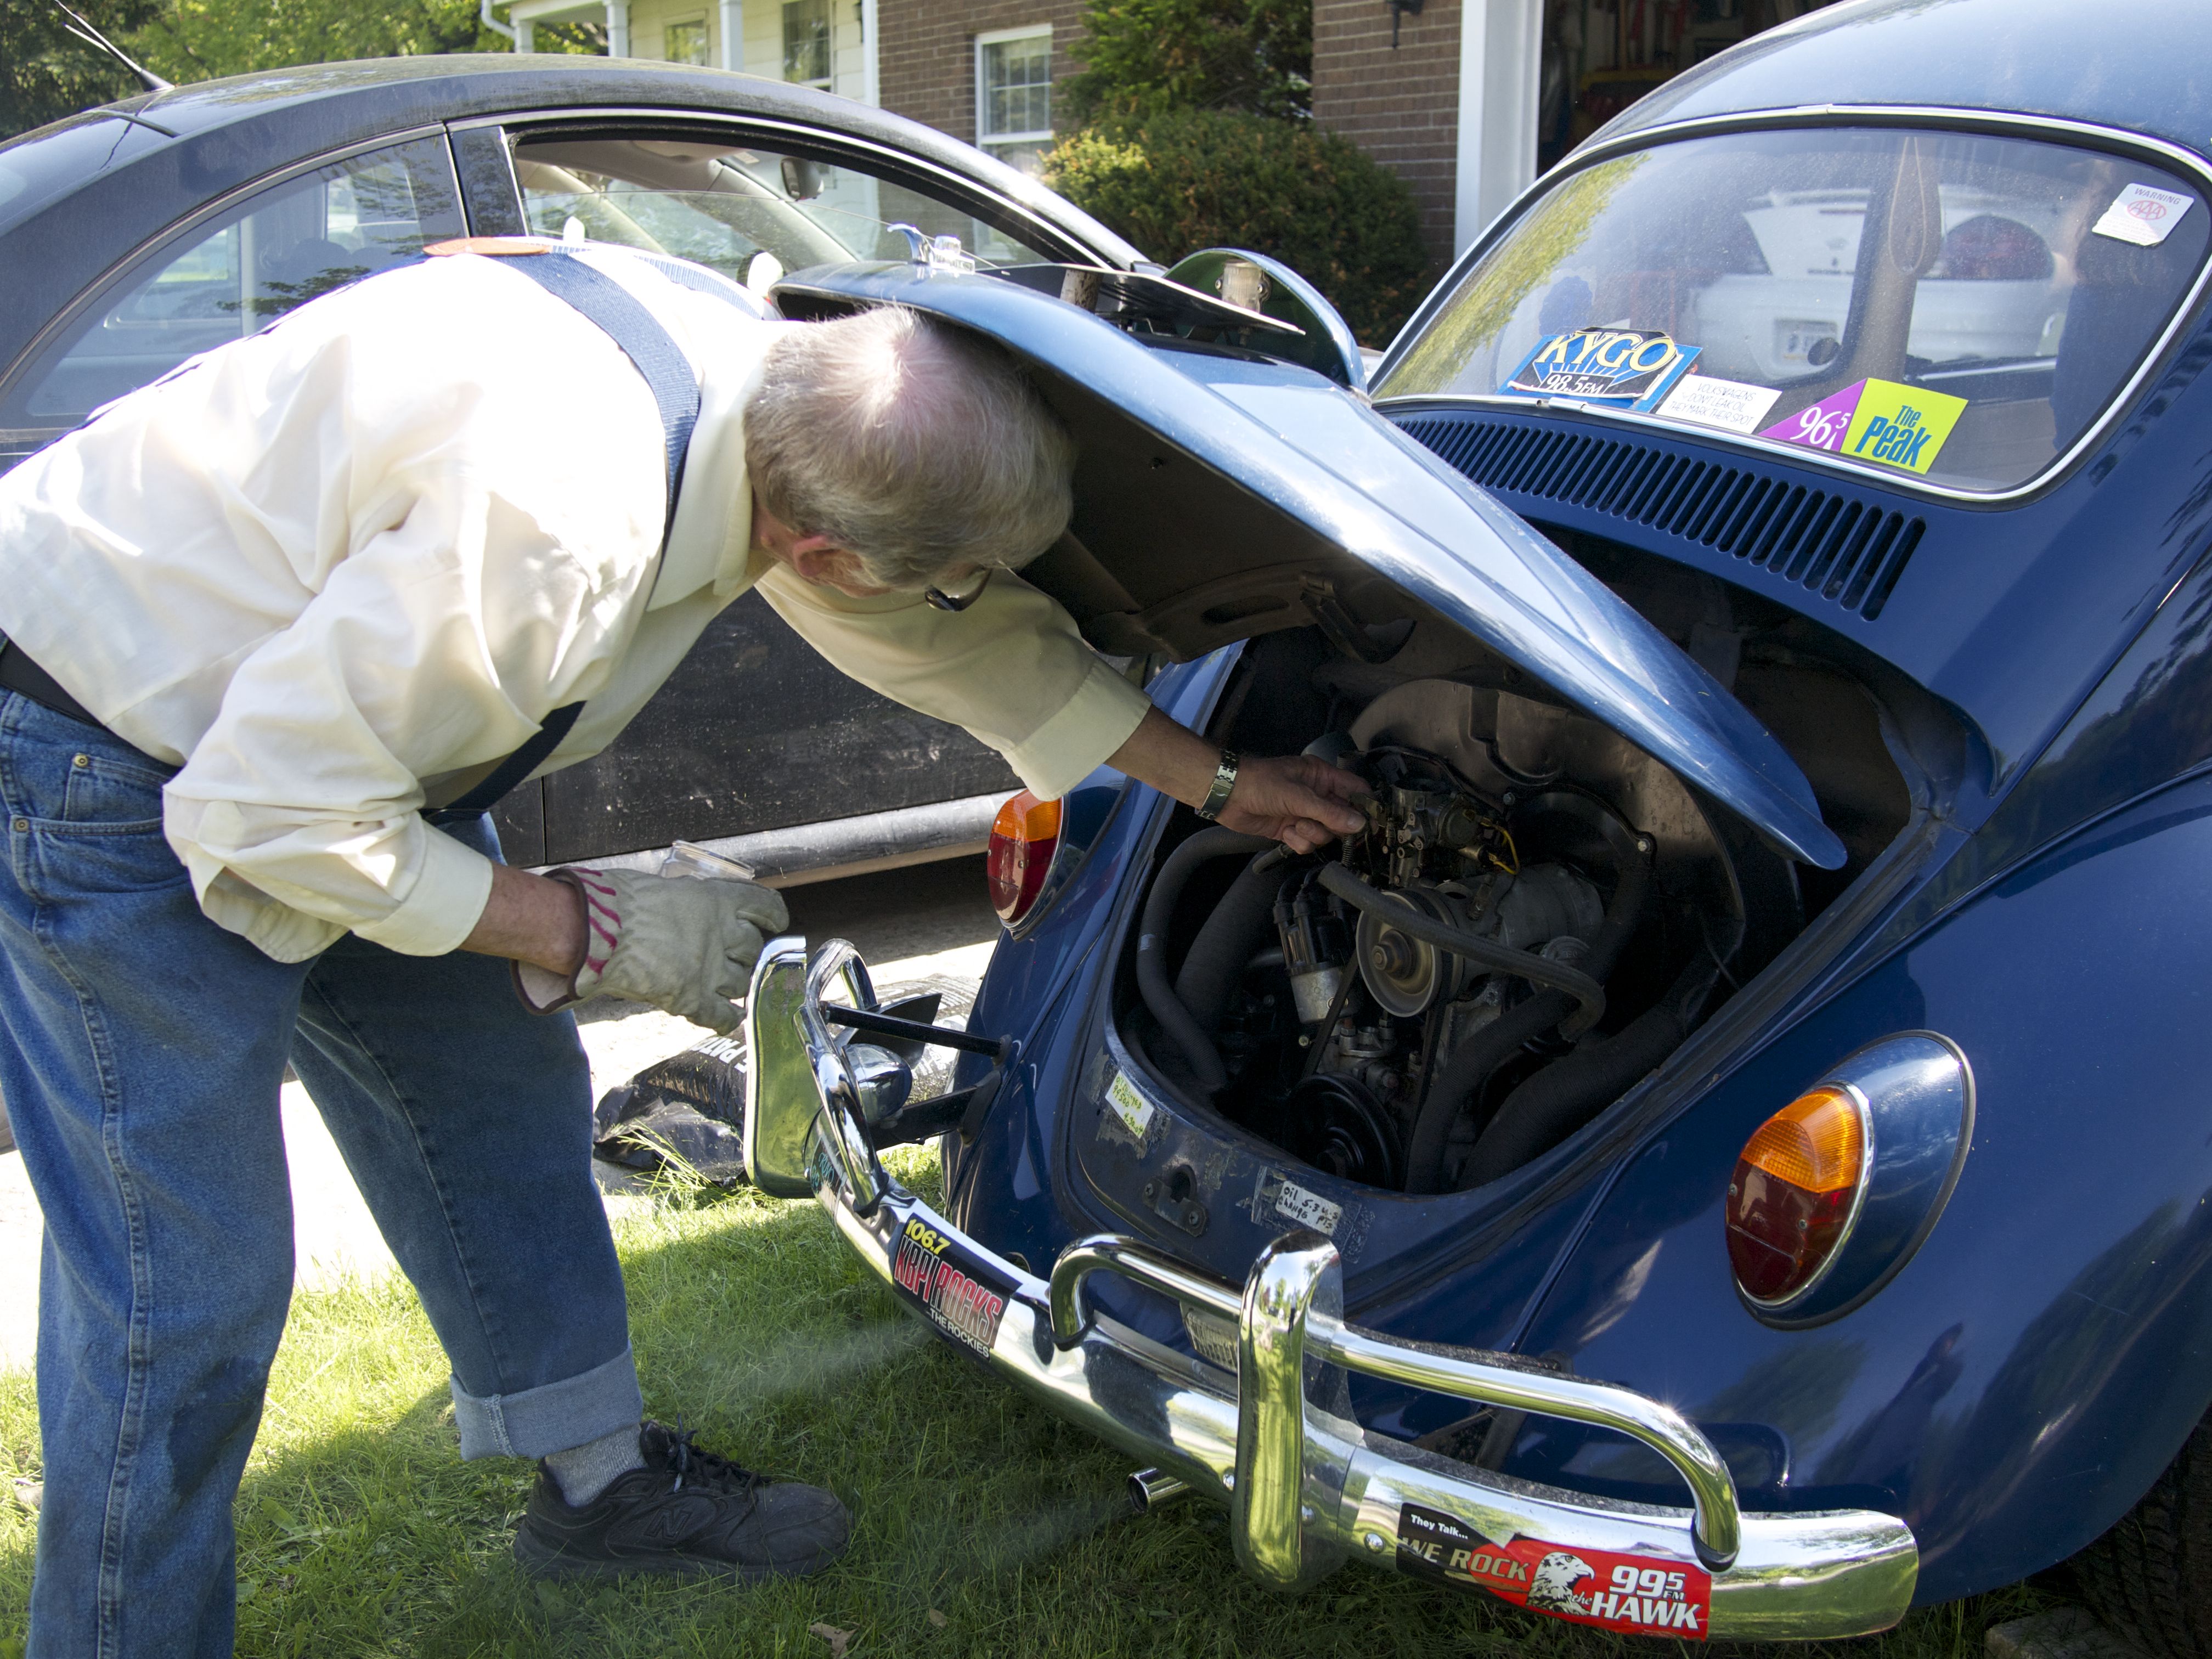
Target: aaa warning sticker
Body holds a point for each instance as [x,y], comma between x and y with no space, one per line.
[1634,1595]
[1625,368]
[960,1295]
[1879,421]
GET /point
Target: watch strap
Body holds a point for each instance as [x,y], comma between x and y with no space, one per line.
[1224,780]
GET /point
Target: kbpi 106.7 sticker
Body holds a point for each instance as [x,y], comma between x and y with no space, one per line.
[1634,1595]
[1622,368]
[961,1295]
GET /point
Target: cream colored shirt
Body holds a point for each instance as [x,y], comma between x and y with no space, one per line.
[372,547]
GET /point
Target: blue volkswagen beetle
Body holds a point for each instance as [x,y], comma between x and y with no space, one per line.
[1724,1151]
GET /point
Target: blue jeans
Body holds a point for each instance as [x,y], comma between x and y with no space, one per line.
[142,1048]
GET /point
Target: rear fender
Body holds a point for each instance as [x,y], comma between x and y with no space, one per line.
[2027,1375]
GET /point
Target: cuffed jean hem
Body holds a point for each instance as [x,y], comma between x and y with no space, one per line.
[553,1417]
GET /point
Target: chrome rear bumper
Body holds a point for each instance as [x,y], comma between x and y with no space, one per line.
[1276,1444]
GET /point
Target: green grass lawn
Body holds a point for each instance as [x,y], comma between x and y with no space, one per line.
[360,1531]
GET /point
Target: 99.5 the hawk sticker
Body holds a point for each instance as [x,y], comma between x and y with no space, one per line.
[1634,1595]
[958,1293]
[1622,368]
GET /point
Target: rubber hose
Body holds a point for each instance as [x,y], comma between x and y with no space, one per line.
[1492,1047]
[1583,987]
[1570,1091]
[1215,964]
[1189,1039]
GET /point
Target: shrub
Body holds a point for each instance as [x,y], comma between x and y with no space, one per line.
[1141,56]
[1186,179]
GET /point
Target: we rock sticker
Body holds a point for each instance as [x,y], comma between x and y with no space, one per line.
[954,1291]
[1877,420]
[1629,1595]
[1622,368]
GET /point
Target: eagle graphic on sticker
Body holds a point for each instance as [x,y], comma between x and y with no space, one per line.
[1623,368]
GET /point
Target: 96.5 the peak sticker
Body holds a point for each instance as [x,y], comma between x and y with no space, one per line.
[1622,368]
[955,1289]
[1881,421]
[1632,1594]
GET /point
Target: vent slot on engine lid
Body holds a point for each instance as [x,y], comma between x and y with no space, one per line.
[1846,548]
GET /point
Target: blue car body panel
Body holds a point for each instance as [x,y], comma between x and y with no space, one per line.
[2026,1375]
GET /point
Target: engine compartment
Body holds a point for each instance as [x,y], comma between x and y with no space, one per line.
[1536,915]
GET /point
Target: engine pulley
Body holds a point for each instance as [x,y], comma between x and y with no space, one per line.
[1403,974]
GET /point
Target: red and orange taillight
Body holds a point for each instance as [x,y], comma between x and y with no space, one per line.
[1024,838]
[1795,1190]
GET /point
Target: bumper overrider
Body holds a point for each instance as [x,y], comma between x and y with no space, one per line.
[1275,1444]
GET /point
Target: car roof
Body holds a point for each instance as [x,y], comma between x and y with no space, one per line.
[79,194]
[2145,67]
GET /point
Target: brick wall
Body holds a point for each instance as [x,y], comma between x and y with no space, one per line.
[1401,107]
[926,67]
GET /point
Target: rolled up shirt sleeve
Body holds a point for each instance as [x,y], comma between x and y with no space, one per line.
[1011,669]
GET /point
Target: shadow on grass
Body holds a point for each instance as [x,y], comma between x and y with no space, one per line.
[360,1531]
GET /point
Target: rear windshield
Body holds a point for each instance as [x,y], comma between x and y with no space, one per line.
[1952,305]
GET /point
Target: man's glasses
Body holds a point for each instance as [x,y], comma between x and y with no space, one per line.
[944,601]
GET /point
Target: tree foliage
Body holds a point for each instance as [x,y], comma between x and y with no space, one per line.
[1188,180]
[47,72]
[1145,58]
[203,40]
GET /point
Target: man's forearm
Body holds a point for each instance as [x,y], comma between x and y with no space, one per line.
[531,918]
[1302,802]
[1172,758]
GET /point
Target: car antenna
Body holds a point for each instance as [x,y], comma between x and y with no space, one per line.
[91,36]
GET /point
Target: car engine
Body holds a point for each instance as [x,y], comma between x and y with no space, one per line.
[1535,915]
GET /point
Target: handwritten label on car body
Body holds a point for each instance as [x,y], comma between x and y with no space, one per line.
[1126,1103]
[1308,1209]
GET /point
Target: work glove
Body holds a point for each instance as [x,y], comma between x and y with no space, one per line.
[684,946]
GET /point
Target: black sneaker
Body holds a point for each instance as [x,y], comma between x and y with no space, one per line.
[687,1512]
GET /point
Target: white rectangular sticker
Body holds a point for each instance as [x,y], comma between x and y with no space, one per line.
[2143,215]
[1132,1107]
[1309,1209]
[1708,400]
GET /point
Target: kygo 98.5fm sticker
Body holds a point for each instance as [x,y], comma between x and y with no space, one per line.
[957,1292]
[1634,1595]
[1622,368]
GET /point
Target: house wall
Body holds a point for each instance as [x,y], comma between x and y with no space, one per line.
[763,37]
[1400,106]
[926,69]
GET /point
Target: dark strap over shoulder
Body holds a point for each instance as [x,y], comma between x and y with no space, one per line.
[626,321]
[667,373]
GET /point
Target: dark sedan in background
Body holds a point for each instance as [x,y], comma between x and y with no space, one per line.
[135,235]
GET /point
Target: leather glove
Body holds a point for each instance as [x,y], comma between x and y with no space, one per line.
[684,946]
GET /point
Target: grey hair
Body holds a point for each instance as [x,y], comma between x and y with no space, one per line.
[921,449]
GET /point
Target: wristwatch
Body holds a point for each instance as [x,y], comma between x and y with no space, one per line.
[1224,780]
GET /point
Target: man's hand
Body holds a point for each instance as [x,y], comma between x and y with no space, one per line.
[1294,799]
[685,946]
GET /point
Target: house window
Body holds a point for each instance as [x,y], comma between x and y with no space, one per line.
[1013,94]
[687,42]
[806,42]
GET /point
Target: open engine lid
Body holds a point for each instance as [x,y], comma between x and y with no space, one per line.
[1220,496]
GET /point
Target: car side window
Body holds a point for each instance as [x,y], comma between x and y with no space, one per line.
[311,233]
[750,212]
